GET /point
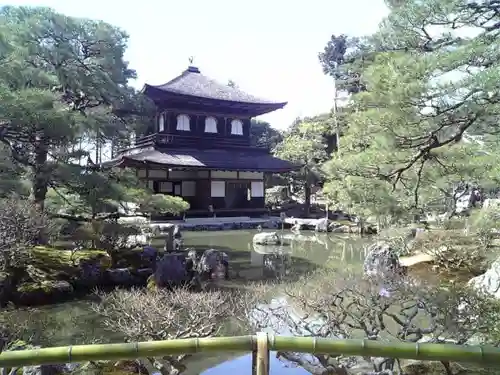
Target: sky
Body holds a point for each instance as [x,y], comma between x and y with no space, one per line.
[269,48]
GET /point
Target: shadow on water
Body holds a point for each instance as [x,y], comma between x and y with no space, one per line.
[75,323]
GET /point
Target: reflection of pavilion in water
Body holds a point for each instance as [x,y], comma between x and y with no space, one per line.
[274,261]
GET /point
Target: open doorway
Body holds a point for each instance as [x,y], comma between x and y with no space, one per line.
[237,195]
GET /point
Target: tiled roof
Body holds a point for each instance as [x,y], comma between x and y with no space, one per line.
[211,159]
[191,82]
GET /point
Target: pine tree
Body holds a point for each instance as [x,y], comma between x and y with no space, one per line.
[62,83]
[431,83]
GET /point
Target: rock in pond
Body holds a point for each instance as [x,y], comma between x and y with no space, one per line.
[41,292]
[267,238]
[489,282]
[382,261]
[84,268]
[139,257]
[214,264]
[127,276]
[351,228]
[171,270]
[336,228]
[54,274]
[321,225]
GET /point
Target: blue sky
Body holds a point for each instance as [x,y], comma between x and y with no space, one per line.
[268,47]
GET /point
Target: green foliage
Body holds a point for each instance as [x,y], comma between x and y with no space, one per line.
[484,224]
[276,196]
[12,175]
[262,134]
[304,145]
[308,142]
[104,192]
[160,203]
[343,58]
[63,88]
[365,197]
[413,142]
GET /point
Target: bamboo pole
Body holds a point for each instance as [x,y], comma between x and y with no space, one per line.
[82,353]
[425,351]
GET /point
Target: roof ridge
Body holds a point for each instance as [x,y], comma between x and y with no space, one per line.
[173,80]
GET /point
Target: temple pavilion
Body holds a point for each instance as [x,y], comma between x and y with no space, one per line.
[200,147]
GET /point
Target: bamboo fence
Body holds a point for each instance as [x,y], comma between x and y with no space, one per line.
[260,345]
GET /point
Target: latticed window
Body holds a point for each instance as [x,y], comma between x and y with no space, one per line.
[183,123]
[237,127]
[210,125]
[161,122]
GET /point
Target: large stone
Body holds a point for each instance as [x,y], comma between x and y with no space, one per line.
[489,282]
[336,228]
[41,292]
[321,225]
[267,238]
[141,257]
[122,277]
[81,267]
[214,264]
[171,270]
[382,262]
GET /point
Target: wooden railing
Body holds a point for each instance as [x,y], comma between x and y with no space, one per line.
[260,345]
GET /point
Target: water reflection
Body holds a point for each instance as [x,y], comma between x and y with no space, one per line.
[307,250]
[312,248]
[276,318]
[76,323]
[274,260]
[243,366]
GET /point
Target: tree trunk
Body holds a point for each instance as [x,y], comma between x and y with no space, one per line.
[40,183]
[307,198]
[40,175]
[361,225]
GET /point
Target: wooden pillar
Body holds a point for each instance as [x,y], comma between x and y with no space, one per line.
[147,178]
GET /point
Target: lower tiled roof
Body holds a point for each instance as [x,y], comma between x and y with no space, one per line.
[257,161]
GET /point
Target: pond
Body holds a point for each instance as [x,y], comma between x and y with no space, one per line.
[75,323]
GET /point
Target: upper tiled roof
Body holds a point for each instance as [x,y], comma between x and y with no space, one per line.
[191,82]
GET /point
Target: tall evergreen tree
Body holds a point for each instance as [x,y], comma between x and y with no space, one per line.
[62,79]
[431,80]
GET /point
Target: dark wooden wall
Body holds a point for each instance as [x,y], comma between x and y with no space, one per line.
[197,125]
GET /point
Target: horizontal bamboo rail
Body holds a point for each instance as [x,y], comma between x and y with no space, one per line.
[486,355]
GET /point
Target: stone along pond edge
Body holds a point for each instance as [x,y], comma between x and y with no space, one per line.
[55,275]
